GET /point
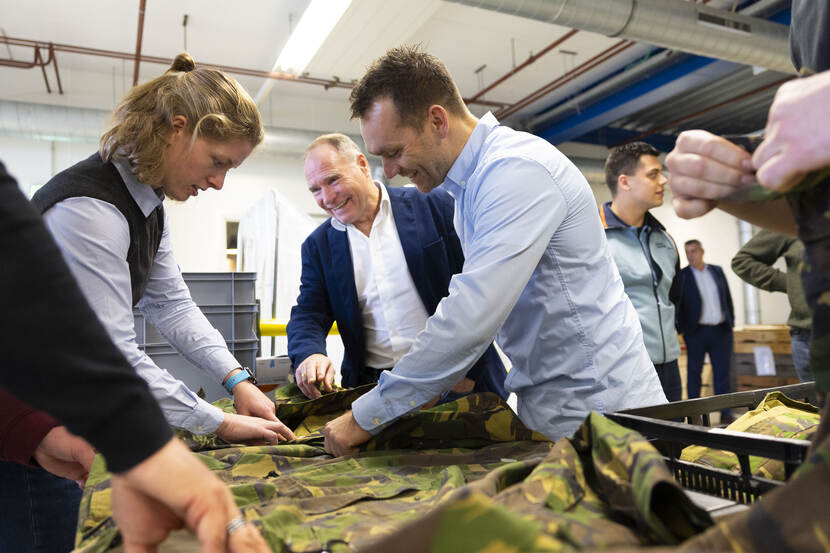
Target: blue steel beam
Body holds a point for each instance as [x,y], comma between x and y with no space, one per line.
[686,74]
[689,73]
[610,136]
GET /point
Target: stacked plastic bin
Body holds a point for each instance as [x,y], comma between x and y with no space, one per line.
[227,300]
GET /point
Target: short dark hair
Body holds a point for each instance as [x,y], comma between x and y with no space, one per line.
[693,241]
[413,79]
[623,160]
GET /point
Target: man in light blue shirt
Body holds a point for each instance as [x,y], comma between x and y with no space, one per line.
[538,274]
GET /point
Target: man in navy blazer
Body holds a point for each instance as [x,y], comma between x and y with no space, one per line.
[380,290]
[705,318]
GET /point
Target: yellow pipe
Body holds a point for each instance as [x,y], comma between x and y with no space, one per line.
[272,327]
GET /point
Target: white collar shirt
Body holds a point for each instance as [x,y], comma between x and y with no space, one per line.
[710,312]
[392,311]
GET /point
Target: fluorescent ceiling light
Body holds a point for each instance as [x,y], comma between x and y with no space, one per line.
[314,26]
[311,31]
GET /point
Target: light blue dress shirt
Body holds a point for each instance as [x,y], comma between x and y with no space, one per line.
[94,237]
[538,277]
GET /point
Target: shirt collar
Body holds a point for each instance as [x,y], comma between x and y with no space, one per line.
[467,160]
[610,219]
[385,206]
[143,194]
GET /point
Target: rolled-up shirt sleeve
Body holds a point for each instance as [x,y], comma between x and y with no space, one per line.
[94,238]
[515,210]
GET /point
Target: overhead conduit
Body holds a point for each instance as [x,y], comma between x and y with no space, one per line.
[60,123]
[676,24]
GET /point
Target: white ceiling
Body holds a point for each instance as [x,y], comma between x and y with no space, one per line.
[249,33]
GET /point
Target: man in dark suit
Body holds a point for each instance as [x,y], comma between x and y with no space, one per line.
[705,318]
[378,267]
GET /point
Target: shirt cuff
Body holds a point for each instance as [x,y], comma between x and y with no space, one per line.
[203,419]
[371,413]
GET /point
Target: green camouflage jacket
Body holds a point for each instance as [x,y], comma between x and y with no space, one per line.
[471,460]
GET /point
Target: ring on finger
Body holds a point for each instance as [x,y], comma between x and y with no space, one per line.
[235,524]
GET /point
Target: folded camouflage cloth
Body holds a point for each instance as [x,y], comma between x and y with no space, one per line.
[777,415]
[471,461]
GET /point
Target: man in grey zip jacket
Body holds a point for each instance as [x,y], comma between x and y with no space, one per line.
[645,254]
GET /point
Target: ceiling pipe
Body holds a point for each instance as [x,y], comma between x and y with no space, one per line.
[705,110]
[597,60]
[676,24]
[653,64]
[38,62]
[70,124]
[139,37]
[521,66]
[333,82]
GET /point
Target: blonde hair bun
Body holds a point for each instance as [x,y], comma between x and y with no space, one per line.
[183,62]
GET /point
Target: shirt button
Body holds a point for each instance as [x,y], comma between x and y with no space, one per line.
[376,420]
[464,183]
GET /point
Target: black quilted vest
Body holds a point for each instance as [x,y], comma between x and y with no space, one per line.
[95,179]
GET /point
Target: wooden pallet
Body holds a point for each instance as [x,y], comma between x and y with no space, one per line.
[755,382]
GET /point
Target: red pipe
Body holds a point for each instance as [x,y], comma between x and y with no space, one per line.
[603,56]
[84,50]
[54,59]
[39,61]
[529,60]
[139,36]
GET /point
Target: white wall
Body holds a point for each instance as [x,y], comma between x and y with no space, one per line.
[198,226]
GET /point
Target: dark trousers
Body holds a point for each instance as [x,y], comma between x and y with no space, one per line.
[716,340]
[38,510]
[669,375]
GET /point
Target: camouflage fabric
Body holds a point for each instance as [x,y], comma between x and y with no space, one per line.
[466,458]
[794,517]
[605,487]
[810,204]
[777,415]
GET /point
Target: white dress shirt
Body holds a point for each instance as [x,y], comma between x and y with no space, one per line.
[539,275]
[94,238]
[711,312]
[392,311]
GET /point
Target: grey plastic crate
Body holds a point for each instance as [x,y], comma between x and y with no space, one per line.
[221,288]
[234,322]
[177,365]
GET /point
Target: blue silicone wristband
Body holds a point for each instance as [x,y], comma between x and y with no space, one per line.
[236,379]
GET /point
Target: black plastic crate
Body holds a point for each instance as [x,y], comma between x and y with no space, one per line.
[670,437]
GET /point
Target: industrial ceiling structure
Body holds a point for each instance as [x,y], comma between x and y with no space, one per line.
[597,72]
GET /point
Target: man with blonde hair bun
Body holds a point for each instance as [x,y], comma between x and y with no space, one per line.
[378,267]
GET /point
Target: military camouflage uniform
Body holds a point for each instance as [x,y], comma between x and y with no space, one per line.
[470,465]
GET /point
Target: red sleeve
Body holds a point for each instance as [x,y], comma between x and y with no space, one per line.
[22,428]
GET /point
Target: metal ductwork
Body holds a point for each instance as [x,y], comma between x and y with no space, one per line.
[675,24]
[62,123]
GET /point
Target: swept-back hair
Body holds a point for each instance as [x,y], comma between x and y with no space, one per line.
[215,105]
[413,79]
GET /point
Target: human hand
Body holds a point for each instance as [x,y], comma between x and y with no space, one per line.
[65,454]
[343,435]
[171,489]
[313,369]
[249,400]
[704,168]
[797,138]
[244,429]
